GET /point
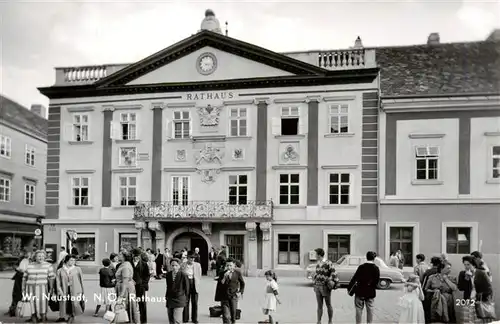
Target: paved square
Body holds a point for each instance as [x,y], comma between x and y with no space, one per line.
[299,304]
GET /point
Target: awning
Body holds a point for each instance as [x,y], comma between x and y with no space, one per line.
[18,228]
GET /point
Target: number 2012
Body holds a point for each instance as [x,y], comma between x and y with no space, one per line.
[465,302]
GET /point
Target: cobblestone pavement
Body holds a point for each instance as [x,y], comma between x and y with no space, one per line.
[299,303]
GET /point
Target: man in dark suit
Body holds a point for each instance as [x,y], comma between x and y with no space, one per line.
[141,278]
[364,284]
[177,291]
[232,288]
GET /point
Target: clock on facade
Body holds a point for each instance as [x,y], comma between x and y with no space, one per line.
[206,63]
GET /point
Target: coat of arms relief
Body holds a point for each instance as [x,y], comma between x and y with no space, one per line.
[208,162]
[209,116]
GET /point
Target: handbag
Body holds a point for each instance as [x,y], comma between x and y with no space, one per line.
[352,290]
[53,304]
[109,316]
[121,315]
[485,309]
[23,309]
[215,311]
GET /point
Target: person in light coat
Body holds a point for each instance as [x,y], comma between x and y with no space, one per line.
[69,283]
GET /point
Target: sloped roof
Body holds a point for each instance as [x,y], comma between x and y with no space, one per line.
[453,68]
[22,117]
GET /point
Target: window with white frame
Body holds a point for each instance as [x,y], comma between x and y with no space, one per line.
[5,189]
[128,126]
[85,246]
[5,146]
[80,188]
[128,156]
[30,155]
[80,127]
[495,160]
[182,124]
[289,189]
[290,120]
[128,190]
[238,189]
[29,194]
[339,118]
[238,122]
[180,190]
[289,249]
[458,240]
[426,162]
[339,189]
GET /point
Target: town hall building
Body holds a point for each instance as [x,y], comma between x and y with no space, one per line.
[216,142]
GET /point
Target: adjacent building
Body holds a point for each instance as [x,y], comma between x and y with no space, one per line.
[440,151]
[217,142]
[23,151]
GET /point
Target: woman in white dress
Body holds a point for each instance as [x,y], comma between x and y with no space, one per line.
[272,295]
[411,303]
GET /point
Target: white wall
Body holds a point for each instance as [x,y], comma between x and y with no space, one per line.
[485,132]
[447,187]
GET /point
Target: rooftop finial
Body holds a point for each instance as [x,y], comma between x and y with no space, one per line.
[210,22]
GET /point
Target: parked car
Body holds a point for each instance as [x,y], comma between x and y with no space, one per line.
[346,267]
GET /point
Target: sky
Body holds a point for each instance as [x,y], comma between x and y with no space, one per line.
[37,36]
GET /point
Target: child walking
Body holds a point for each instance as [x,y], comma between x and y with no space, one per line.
[411,303]
[107,283]
[272,295]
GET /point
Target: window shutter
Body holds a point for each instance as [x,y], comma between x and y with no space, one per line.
[433,150]
[190,126]
[421,151]
[276,126]
[168,128]
[302,123]
[114,130]
[68,132]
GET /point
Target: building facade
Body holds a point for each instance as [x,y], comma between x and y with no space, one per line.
[439,152]
[216,142]
[23,151]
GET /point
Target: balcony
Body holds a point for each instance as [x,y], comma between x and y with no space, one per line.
[335,60]
[204,210]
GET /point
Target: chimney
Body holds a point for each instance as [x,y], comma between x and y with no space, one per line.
[40,110]
[494,36]
[433,39]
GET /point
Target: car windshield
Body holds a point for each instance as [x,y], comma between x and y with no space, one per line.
[339,261]
[380,263]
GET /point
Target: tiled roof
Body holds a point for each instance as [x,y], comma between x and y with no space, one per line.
[454,68]
[15,114]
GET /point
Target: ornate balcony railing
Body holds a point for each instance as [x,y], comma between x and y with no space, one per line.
[203,210]
[345,59]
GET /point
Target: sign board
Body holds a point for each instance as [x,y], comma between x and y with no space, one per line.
[51,250]
[38,232]
[216,95]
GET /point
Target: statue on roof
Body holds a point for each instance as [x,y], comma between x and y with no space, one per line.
[210,22]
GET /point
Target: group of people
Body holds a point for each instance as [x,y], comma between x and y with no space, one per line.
[430,292]
[439,291]
[38,284]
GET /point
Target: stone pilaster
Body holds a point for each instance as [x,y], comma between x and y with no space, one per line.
[146,242]
[267,262]
[251,263]
[159,237]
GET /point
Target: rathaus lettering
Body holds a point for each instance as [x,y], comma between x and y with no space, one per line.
[210,96]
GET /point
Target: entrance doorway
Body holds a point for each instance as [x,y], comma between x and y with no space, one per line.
[401,238]
[191,241]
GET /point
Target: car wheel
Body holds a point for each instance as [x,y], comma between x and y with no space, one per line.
[384,284]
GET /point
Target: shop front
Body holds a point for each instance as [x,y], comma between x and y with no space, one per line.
[16,235]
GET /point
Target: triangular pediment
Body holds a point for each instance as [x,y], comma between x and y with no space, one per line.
[209,56]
